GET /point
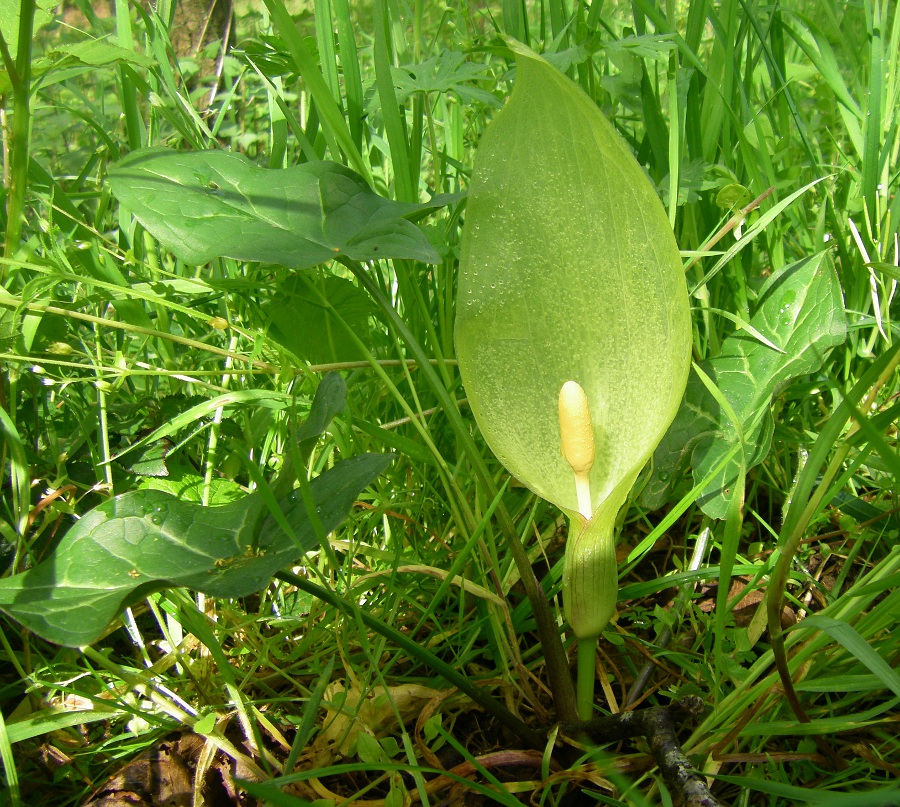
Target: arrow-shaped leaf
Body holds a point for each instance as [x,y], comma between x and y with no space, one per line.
[209,204]
[148,540]
[801,312]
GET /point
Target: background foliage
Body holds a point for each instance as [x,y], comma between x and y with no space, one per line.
[109,342]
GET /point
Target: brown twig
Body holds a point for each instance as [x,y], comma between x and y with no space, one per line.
[657,724]
[729,225]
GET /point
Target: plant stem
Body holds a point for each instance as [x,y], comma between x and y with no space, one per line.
[20,79]
[15,302]
[587,653]
[103,421]
[583,491]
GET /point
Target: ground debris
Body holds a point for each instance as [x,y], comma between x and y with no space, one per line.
[164,776]
[657,724]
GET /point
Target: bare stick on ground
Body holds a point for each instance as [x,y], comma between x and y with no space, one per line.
[657,724]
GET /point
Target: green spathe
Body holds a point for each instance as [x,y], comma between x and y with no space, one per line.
[570,272]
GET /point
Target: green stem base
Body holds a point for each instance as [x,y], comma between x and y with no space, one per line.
[584,694]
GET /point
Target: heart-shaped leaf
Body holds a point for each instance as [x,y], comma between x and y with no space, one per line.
[801,312]
[148,540]
[209,204]
[569,272]
[301,318]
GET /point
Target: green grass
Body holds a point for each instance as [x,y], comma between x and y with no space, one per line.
[105,338]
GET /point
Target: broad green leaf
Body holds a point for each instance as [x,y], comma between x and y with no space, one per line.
[9,21]
[151,459]
[66,62]
[303,322]
[209,204]
[569,271]
[191,487]
[147,540]
[800,311]
[98,53]
[733,196]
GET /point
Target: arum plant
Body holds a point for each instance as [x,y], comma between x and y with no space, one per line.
[573,324]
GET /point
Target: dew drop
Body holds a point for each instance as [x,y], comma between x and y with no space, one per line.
[133,537]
